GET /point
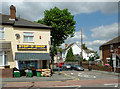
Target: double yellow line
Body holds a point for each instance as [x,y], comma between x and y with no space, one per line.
[75,78]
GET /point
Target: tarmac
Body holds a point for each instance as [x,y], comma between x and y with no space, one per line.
[62,80]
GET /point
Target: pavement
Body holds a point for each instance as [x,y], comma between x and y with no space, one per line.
[66,79]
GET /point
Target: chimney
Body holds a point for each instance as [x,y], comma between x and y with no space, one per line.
[12,12]
[66,45]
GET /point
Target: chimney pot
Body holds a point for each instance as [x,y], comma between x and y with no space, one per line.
[12,12]
[66,45]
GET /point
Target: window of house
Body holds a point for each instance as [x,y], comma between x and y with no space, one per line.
[111,48]
[1,32]
[108,60]
[3,58]
[28,37]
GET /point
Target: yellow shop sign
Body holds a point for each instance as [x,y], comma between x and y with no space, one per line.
[32,47]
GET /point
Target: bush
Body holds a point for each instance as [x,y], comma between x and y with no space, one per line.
[84,59]
[100,65]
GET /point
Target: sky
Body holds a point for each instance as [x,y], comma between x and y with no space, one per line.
[98,20]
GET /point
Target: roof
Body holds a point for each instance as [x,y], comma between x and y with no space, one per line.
[113,41]
[87,51]
[20,22]
[68,46]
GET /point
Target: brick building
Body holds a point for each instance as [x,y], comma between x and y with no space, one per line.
[108,49]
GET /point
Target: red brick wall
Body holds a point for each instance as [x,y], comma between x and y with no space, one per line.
[94,67]
[106,51]
[6,73]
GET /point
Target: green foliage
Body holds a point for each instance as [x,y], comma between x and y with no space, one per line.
[96,55]
[100,65]
[62,23]
[91,58]
[53,51]
[84,59]
[60,50]
[70,56]
[84,47]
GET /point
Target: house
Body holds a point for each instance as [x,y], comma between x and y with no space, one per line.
[77,51]
[23,43]
[110,49]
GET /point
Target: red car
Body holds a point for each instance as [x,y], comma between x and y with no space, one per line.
[60,64]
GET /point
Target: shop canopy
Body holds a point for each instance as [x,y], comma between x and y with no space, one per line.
[32,56]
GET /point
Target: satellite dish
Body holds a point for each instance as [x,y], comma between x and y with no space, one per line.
[17,36]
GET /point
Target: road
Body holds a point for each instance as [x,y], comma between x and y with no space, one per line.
[69,79]
[90,75]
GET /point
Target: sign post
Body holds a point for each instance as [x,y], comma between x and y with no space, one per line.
[58,54]
[114,61]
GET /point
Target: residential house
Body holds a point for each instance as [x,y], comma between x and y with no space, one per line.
[77,51]
[110,48]
[23,43]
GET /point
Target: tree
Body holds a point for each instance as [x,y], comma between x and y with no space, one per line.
[84,46]
[96,55]
[70,56]
[60,50]
[62,23]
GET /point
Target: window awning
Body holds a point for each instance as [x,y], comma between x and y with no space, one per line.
[32,56]
[5,45]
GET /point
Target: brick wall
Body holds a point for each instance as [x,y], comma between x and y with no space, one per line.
[6,73]
[94,67]
[106,51]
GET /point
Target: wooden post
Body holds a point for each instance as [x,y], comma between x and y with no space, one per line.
[81,45]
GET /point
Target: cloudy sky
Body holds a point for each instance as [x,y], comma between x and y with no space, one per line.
[99,20]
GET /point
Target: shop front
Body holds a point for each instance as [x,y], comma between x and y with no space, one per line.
[33,60]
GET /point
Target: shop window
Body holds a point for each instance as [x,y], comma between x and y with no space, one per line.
[28,37]
[28,64]
[3,58]
[1,33]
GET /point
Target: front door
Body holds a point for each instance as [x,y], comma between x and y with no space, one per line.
[44,64]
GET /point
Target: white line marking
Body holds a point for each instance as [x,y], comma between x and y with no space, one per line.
[110,84]
[68,86]
[116,85]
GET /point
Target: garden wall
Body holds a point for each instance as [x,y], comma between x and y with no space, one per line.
[102,68]
[6,73]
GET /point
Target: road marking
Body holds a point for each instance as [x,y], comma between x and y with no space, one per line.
[87,76]
[116,85]
[70,76]
[69,86]
[78,87]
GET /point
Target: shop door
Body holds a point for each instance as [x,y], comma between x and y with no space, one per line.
[44,64]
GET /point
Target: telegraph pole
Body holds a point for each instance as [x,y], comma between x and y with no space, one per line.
[81,45]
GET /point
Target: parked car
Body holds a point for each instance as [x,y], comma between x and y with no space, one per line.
[77,67]
[66,66]
[60,64]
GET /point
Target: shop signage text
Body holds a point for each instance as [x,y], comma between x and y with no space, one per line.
[35,47]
